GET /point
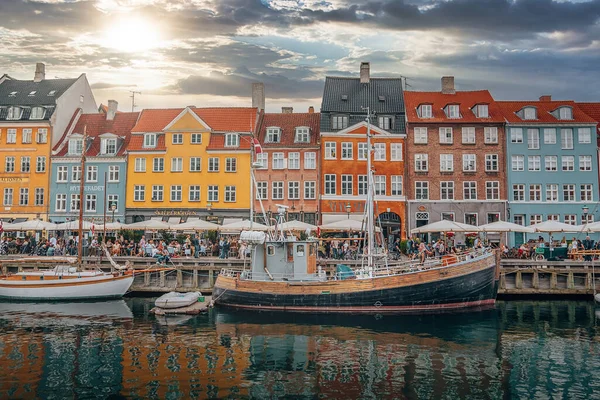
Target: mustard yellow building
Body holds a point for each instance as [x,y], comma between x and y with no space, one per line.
[190,163]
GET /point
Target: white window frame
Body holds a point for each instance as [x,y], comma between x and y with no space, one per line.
[379,185]
[421,190]
[196,138]
[490,160]
[330,183]
[310,190]
[469,190]
[114,172]
[91,203]
[195,164]
[273,135]
[293,160]
[396,152]
[420,135]
[231,164]
[74,202]
[330,150]
[421,162]
[177,138]
[494,187]
[302,134]
[447,190]
[278,161]
[446,162]
[533,139]
[362,151]
[396,183]
[212,193]
[213,164]
[518,192]
[425,111]
[176,193]
[60,204]
[41,135]
[585,163]
[569,194]
[446,135]
[277,190]
[529,113]
[551,163]
[262,190]
[552,192]
[293,190]
[584,135]
[347,185]
[586,192]
[40,164]
[468,135]
[62,173]
[176,164]
[230,194]
[310,160]
[232,140]
[139,165]
[150,140]
[453,111]
[139,192]
[549,135]
[347,150]
[535,192]
[469,162]
[534,163]
[567,163]
[490,134]
[380,152]
[516,135]
[158,193]
[566,138]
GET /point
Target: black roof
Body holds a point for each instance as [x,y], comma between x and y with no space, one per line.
[383,95]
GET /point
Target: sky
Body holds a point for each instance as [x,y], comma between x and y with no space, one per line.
[208,52]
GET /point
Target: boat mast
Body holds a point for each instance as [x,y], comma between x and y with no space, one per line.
[81,202]
[370,194]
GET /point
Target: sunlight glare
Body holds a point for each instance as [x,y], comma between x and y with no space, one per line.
[132,35]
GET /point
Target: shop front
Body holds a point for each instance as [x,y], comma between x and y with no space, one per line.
[177,216]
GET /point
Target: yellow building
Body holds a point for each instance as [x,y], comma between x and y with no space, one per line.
[190,163]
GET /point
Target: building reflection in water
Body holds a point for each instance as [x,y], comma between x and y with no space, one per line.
[519,349]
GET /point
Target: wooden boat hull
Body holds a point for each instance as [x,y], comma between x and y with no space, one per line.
[468,284]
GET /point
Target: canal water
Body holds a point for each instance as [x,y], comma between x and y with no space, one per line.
[115,350]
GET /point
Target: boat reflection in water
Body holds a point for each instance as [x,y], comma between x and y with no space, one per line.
[517,350]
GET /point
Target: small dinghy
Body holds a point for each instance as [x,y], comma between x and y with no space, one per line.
[177,300]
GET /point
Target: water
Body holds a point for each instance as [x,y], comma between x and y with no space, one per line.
[533,350]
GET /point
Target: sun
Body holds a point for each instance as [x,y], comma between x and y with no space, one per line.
[132,34]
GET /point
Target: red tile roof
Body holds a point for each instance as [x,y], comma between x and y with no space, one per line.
[155,119]
[544,109]
[288,122]
[592,110]
[217,142]
[439,100]
[97,124]
[137,144]
[226,119]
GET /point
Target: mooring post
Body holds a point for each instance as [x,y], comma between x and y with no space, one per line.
[211,278]
[179,277]
[162,278]
[195,278]
[146,278]
[570,281]
[553,280]
[536,280]
[519,280]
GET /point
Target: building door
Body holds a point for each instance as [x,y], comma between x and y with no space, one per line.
[422,219]
[519,237]
[390,223]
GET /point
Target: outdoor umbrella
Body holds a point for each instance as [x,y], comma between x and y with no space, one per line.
[503,226]
[243,226]
[589,227]
[148,225]
[445,226]
[554,226]
[345,225]
[33,225]
[111,226]
[296,226]
[73,226]
[195,225]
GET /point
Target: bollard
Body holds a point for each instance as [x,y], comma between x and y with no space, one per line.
[179,278]
[211,278]
[162,278]
[195,278]
[536,280]
[553,281]
[519,280]
[570,281]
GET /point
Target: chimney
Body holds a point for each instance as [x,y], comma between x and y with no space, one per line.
[258,95]
[448,85]
[546,97]
[111,110]
[311,110]
[365,72]
[287,110]
[40,72]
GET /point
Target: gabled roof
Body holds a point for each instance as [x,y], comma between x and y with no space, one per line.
[226,119]
[383,95]
[544,109]
[155,119]
[438,100]
[591,110]
[288,122]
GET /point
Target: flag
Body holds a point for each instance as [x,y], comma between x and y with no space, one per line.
[94,230]
[257,146]
[1,228]
[318,231]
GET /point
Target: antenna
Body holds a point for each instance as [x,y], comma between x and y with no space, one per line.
[133,93]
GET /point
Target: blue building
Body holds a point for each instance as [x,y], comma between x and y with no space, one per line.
[105,168]
[552,163]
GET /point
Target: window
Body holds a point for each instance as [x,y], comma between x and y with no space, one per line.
[534,163]
[584,135]
[9,164]
[396,150]
[379,151]
[329,184]
[302,135]
[569,192]
[446,162]
[362,151]
[585,163]
[347,185]
[61,202]
[75,203]
[447,190]
[568,163]
[396,185]
[277,191]
[273,135]
[232,140]
[469,163]
[490,135]
[8,196]
[92,173]
[62,173]
[446,135]
[587,219]
[109,146]
[516,135]
[481,111]
[379,184]
[139,192]
[519,192]
[37,113]
[453,111]
[517,163]
[26,164]
[385,122]
[549,136]
[11,136]
[157,193]
[90,203]
[491,162]
[492,190]
[262,190]
[330,148]
[566,138]
[310,160]
[149,140]
[196,138]
[140,165]
[468,135]
[421,162]
[14,113]
[565,113]
[230,196]
[425,110]
[176,193]
[112,200]
[519,219]
[42,135]
[310,190]
[176,164]
[27,133]
[196,164]
[553,217]
[113,173]
[263,160]
[493,217]
[535,219]
[347,151]
[40,164]
[362,185]
[551,163]
[177,138]
[76,173]
[213,164]
[421,190]
[420,135]
[339,122]
[529,113]
[23,196]
[213,193]
[293,190]
[231,164]
[75,146]
[586,193]
[278,161]
[571,219]
[552,192]
[535,192]
[470,190]
[471,218]
[533,139]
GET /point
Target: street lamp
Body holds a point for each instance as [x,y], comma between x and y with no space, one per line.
[585,210]
[348,209]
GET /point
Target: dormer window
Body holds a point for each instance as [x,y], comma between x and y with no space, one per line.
[32,93]
[273,135]
[149,140]
[109,146]
[344,97]
[52,93]
[529,113]
[386,122]
[232,140]
[302,135]
[12,94]
[339,122]
[75,146]
[14,112]
[425,111]
[565,113]
[452,111]
[37,113]
[382,98]
[481,111]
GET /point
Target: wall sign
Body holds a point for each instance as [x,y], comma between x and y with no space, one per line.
[13,179]
[178,213]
